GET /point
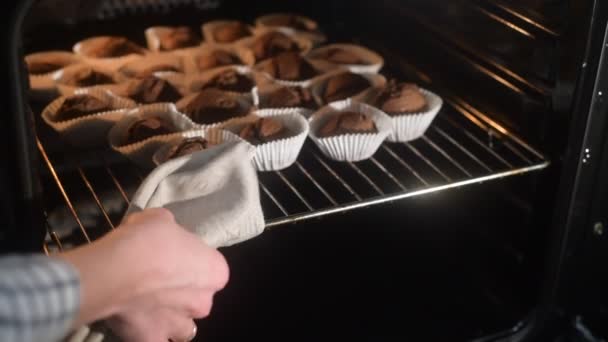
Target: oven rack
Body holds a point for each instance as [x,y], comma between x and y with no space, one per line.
[463,146]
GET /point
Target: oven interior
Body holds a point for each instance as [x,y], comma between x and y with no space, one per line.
[441,238]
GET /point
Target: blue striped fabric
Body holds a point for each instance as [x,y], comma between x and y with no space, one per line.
[39,298]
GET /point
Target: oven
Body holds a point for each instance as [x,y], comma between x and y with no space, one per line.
[489,227]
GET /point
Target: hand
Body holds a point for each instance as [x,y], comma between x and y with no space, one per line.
[151,276]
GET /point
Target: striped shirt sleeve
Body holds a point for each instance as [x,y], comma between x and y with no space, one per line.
[39,298]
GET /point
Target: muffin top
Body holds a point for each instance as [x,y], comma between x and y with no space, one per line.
[263,130]
[82,105]
[401,98]
[347,123]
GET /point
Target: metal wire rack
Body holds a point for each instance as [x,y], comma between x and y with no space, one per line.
[86,197]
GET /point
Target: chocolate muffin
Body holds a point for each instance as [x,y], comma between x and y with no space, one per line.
[292,21]
[178,38]
[263,130]
[401,98]
[50,64]
[81,105]
[288,66]
[108,47]
[230,80]
[149,71]
[343,86]
[186,147]
[87,77]
[231,32]
[213,106]
[338,55]
[272,44]
[148,127]
[216,59]
[151,90]
[288,97]
[347,123]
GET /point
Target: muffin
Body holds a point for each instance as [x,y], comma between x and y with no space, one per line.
[82,105]
[263,130]
[146,128]
[339,55]
[231,80]
[47,65]
[109,47]
[343,86]
[288,66]
[178,38]
[401,98]
[295,22]
[86,77]
[211,106]
[286,97]
[272,44]
[215,59]
[152,89]
[347,123]
[187,146]
[230,32]
[149,71]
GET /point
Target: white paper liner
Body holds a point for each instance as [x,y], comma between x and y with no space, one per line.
[349,147]
[111,63]
[374,60]
[411,126]
[304,43]
[318,86]
[245,55]
[68,89]
[141,152]
[42,86]
[244,101]
[277,154]
[321,66]
[90,130]
[209,28]
[153,38]
[256,101]
[314,35]
[197,81]
[132,69]
[213,136]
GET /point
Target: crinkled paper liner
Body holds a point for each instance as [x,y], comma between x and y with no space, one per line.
[322,67]
[375,61]
[245,55]
[277,154]
[316,36]
[141,152]
[131,69]
[243,101]
[213,136]
[318,86]
[110,63]
[153,40]
[255,93]
[42,86]
[411,126]
[209,28]
[66,89]
[349,147]
[90,130]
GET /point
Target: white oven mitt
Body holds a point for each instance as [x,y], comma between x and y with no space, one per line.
[213,193]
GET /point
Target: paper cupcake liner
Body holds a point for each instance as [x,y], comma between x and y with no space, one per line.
[110,63]
[245,55]
[42,86]
[153,41]
[411,126]
[141,152]
[132,69]
[213,136]
[350,147]
[304,43]
[90,130]
[277,154]
[318,86]
[375,61]
[243,101]
[209,28]
[322,67]
[255,93]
